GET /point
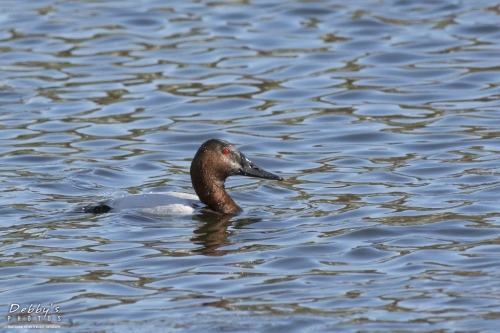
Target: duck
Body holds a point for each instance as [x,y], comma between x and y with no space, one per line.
[213,163]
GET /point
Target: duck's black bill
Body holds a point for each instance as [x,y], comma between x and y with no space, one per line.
[250,169]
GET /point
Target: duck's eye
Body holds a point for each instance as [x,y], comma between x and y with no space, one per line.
[225,150]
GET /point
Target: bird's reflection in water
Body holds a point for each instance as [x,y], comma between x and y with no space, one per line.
[213,233]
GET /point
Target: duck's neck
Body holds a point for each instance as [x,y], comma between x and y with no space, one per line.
[214,195]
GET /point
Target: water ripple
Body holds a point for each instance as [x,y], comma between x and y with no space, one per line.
[382,116]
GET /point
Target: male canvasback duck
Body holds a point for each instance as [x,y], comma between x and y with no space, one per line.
[214,161]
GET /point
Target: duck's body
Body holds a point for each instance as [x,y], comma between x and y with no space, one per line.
[162,203]
[214,161]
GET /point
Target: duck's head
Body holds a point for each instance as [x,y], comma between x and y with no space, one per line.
[214,161]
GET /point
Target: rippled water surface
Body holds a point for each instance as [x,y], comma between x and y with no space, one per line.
[383,116]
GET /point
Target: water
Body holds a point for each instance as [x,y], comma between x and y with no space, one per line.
[381,115]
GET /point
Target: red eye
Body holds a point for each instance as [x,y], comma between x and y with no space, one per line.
[225,151]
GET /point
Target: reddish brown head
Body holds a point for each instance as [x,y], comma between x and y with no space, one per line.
[214,161]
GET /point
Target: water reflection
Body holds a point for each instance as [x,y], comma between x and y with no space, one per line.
[212,234]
